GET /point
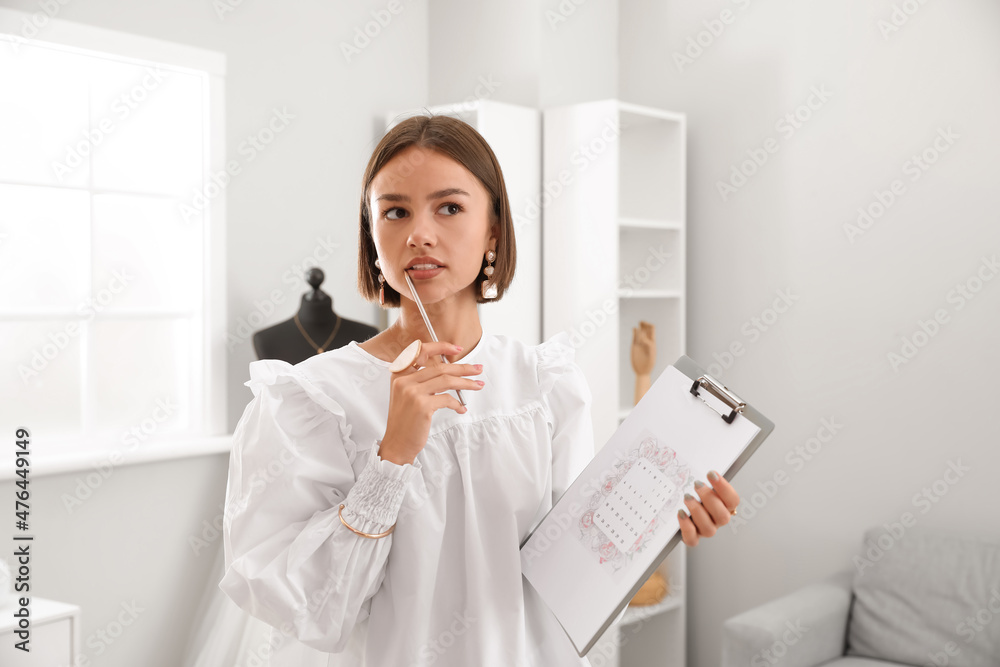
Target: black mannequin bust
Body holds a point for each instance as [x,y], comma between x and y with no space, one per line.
[317,329]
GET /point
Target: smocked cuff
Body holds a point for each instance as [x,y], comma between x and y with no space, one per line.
[377,494]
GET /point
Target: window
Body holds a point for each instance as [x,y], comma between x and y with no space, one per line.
[112,322]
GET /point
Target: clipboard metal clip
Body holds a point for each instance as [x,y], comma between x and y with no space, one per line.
[714,387]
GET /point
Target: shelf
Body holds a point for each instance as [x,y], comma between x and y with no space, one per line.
[648,223]
[638,113]
[649,294]
[635,614]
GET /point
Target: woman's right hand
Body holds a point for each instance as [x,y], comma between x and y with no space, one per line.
[415,395]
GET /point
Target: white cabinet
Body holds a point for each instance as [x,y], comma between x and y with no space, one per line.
[614,208]
[514,134]
[55,635]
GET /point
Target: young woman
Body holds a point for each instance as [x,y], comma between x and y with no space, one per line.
[371,518]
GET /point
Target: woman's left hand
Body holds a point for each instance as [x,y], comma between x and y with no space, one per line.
[707,515]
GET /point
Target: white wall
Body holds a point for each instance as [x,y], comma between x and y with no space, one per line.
[473,42]
[130,539]
[826,357]
[538,54]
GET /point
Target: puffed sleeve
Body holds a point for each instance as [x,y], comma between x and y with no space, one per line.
[567,395]
[289,560]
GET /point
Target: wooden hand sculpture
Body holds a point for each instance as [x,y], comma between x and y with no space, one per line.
[643,356]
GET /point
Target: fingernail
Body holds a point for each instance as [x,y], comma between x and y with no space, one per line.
[698,483]
[478,367]
[480,383]
[458,347]
[688,496]
[681,514]
[713,476]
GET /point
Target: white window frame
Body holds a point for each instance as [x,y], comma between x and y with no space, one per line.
[16,26]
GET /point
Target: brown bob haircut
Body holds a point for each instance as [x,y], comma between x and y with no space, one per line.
[461,142]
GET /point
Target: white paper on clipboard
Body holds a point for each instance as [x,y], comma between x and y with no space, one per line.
[618,516]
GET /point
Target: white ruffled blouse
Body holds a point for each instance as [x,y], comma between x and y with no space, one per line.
[445,588]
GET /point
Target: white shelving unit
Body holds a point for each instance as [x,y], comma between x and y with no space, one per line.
[514,134]
[614,239]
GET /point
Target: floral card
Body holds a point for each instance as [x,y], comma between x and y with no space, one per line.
[622,515]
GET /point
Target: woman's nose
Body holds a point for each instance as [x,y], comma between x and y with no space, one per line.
[422,229]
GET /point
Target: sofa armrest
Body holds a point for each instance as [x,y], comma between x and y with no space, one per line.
[803,629]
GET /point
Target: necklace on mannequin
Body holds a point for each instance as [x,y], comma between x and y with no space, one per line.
[319,348]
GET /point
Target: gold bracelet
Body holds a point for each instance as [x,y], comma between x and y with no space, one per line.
[340,513]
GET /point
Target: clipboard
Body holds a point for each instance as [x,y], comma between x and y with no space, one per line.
[586,539]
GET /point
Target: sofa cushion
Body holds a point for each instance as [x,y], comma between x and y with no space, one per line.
[925,597]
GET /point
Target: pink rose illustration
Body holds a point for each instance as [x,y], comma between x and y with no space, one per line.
[608,486]
[665,456]
[647,448]
[588,520]
[608,550]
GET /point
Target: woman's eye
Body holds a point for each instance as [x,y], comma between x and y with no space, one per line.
[451,209]
[394,213]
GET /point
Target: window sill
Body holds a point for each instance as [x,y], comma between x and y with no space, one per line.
[102,461]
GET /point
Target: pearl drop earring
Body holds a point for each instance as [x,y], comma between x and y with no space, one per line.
[381,286]
[489,288]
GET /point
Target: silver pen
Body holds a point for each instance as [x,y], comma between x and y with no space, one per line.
[423,314]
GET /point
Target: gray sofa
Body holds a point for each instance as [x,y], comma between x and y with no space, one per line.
[913,597]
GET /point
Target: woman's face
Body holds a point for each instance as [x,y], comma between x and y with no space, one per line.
[423,203]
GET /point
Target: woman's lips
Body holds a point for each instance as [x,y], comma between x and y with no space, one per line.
[425,273]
